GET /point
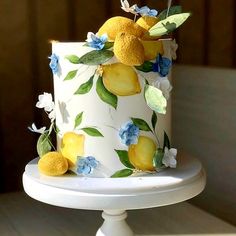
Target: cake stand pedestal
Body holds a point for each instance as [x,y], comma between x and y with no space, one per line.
[116,195]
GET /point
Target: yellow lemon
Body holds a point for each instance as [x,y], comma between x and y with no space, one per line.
[147,22]
[128,49]
[141,154]
[118,24]
[72,145]
[120,79]
[152,49]
[53,164]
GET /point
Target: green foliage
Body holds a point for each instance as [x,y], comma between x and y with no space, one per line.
[122,173]
[143,125]
[85,87]
[92,132]
[123,156]
[78,119]
[43,144]
[71,75]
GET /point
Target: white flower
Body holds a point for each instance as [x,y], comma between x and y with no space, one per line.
[170,47]
[169,158]
[34,129]
[126,7]
[45,101]
[164,85]
[52,115]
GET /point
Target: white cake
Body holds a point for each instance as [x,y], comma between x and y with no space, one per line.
[97,113]
[110,110]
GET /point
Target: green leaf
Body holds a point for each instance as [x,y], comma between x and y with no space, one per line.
[172,11]
[123,156]
[141,124]
[108,45]
[71,75]
[96,57]
[147,66]
[78,119]
[43,144]
[166,141]
[169,24]
[154,120]
[85,87]
[155,99]
[105,95]
[73,59]
[92,132]
[157,158]
[122,173]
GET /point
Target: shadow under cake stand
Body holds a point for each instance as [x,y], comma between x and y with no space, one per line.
[116,195]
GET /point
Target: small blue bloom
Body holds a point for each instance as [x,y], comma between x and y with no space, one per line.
[162,65]
[54,63]
[146,11]
[86,165]
[95,41]
[129,133]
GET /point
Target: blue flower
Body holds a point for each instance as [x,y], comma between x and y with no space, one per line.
[162,65]
[86,165]
[146,11]
[95,41]
[129,133]
[54,63]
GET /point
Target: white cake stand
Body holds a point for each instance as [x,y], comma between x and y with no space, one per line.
[116,195]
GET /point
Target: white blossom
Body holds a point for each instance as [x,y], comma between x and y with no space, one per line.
[45,101]
[52,115]
[126,7]
[164,85]
[34,129]
[169,158]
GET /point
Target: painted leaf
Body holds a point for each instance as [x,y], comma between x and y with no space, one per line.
[155,99]
[166,141]
[154,120]
[108,45]
[96,57]
[143,125]
[85,87]
[147,66]
[157,158]
[172,11]
[78,119]
[43,144]
[92,132]
[105,95]
[71,75]
[73,59]
[123,156]
[169,24]
[122,173]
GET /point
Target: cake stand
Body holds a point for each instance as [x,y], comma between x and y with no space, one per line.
[116,195]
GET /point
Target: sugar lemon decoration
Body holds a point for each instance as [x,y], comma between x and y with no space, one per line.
[141,154]
[120,79]
[53,164]
[147,22]
[152,49]
[118,24]
[128,49]
[72,145]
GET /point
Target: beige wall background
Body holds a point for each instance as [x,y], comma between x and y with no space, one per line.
[204,124]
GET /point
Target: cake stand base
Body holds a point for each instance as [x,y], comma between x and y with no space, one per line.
[116,195]
[114,224]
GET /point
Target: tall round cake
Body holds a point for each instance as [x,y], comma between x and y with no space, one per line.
[111,108]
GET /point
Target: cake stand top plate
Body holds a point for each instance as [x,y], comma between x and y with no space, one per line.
[166,187]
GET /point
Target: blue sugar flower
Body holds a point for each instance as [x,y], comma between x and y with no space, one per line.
[86,165]
[95,41]
[162,65]
[54,63]
[129,133]
[146,11]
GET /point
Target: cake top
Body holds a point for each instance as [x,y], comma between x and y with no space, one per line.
[123,46]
